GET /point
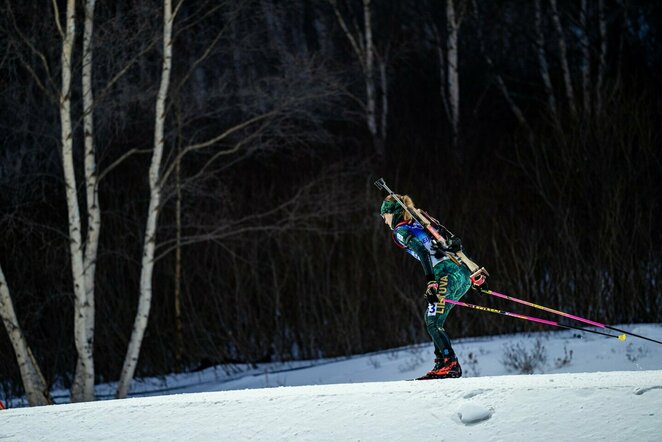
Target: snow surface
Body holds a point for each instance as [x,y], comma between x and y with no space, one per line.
[607,390]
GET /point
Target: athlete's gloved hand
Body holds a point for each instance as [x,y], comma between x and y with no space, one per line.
[454,244]
[431,292]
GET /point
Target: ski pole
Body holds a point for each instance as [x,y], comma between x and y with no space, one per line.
[531,318]
[567,315]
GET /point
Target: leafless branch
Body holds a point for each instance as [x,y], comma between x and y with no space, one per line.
[56,12]
[118,161]
[350,36]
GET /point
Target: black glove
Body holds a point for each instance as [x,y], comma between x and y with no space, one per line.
[431,292]
[454,244]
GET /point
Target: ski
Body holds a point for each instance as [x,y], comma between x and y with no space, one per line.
[426,377]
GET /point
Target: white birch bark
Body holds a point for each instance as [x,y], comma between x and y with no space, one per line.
[563,56]
[91,182]
[84,379]
[586,57]
[93,210]
[453,86]
[147,267]
[542,61]
[35,386]
[602,63]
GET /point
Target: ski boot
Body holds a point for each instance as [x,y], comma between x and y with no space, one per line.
[445,367]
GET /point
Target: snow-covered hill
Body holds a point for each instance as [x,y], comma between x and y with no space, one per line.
[557,352]
[585,387]
[582,406]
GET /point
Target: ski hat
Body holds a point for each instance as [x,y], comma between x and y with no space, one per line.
[390,207]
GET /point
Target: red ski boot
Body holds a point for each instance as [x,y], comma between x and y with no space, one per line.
[444,368]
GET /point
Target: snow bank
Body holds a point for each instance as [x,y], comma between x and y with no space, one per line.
[571,406]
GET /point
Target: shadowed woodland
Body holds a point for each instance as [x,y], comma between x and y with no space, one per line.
[530,129]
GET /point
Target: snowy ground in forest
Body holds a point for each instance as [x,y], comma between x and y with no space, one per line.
[585,387]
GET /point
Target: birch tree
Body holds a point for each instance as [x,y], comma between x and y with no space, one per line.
[83,388]
[563,58]
[82,248]
[452,87]
[147,264]
[448,56]
[36,389]
[287,104]
[362,43]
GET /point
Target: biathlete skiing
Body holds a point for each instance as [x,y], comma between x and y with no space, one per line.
[449,274]
[444,280]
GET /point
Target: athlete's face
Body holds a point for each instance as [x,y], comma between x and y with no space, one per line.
[388,219]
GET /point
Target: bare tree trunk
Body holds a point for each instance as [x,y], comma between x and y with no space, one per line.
[91,183]
[602,64]
[371,102]
[92,198]
[83,388]
[155,185]
[563,56]
[542,61]
[363,45]
[586,57]
[35,386]
[453,87]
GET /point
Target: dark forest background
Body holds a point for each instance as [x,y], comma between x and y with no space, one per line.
[283,254]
